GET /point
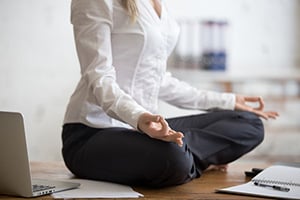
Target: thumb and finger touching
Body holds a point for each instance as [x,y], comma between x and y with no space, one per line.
[242,103]
[157,127]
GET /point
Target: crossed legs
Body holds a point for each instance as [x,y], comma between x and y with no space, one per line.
[129,157]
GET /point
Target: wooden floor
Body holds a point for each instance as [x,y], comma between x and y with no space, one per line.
[202,188]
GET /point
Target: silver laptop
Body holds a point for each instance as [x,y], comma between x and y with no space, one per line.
[15,177]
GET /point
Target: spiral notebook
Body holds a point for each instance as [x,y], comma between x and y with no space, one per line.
[277,181]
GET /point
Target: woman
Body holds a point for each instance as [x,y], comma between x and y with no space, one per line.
[112,131]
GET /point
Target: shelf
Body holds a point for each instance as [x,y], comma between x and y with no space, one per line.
[228,79]
[237,76]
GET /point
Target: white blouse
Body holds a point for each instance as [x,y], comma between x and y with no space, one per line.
[123,66]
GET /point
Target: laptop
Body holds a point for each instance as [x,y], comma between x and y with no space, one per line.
[15,176]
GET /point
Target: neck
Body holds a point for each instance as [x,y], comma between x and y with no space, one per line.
[157,6]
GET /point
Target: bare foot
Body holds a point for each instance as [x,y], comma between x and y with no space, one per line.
[222,168]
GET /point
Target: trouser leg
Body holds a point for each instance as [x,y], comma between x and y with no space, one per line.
[125,156]
[219,137]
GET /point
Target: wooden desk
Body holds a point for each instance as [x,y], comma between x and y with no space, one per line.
[202,188]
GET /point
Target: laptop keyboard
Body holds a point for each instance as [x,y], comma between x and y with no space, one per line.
[37,188]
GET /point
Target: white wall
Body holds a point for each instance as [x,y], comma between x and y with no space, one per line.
[262,33]
[39,67]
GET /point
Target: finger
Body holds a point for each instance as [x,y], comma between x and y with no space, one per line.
[173,136]
[261,114]
[267,115]
[261,104]
[164,125]
[256,99]
[151,118]
[155,118]
[252,99]
[176,132]
[272,114]
[179,142]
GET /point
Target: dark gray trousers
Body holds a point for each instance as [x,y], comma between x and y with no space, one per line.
[129,157]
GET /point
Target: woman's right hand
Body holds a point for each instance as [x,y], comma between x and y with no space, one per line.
[157,127]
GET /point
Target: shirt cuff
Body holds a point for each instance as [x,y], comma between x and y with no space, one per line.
[134,117]
[228,101]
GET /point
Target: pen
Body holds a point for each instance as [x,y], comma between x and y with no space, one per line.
[275,187]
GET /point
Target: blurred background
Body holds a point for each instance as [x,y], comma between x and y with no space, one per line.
[242,46]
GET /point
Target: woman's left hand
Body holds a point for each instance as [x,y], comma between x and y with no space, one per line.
[241,104]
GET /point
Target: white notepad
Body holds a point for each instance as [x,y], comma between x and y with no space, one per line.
[277,181]
[97,189]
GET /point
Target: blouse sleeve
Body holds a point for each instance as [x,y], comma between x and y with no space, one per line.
[92,23]
[183,95]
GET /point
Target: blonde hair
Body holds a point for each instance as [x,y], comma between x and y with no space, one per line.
[131,7]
